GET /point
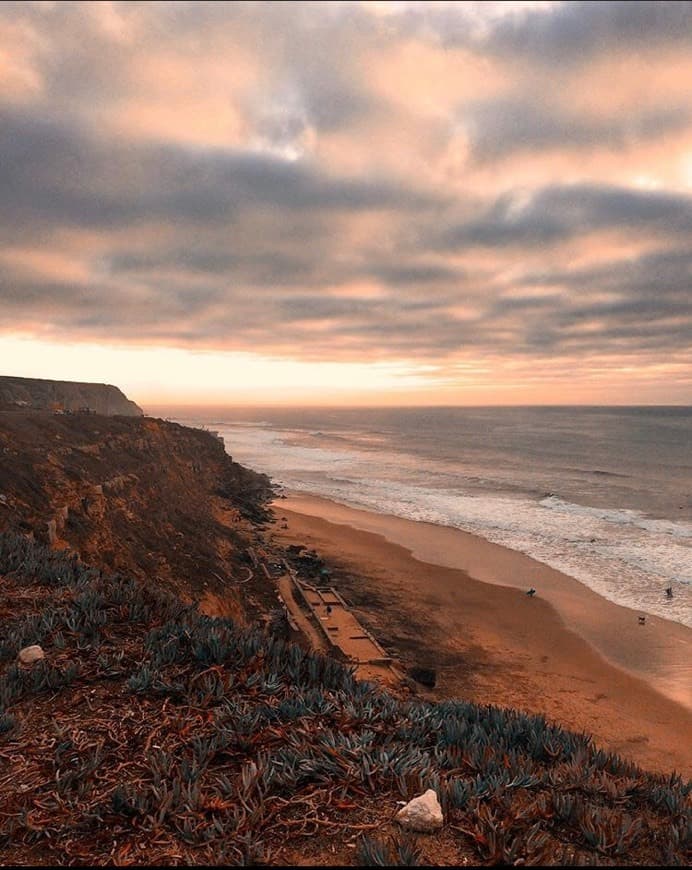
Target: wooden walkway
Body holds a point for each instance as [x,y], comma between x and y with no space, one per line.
[296,618]
[323,617]
[338,624]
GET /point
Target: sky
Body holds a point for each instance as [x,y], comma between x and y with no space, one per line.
[349,203]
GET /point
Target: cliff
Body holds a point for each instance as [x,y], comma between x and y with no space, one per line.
[39,394]
[141,496]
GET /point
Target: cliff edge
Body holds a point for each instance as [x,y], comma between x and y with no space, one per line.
[70,396]
[146,497]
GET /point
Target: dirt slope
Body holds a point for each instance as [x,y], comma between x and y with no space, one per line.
[141,496]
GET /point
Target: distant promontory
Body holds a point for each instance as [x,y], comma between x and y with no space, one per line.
[65,396]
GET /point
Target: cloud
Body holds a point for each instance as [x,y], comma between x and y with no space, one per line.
[574,31]
[342,181]
[52,171]
[642,301]
[498,128]
[550,33]
[559,212]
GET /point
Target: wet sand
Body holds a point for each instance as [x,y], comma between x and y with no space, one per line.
[442,598]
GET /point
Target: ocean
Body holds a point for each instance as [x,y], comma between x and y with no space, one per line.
[601,494]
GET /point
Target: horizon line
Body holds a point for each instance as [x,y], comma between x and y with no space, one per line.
[203,406]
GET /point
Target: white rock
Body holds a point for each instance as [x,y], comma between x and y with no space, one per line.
[423,813]
[31,654]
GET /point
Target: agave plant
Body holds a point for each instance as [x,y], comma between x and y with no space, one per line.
[373,852]
[7,722]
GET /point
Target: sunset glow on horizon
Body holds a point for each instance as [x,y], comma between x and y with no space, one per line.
[349,203]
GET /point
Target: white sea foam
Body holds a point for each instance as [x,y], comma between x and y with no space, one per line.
[622,554]
[620,517]
[622,562]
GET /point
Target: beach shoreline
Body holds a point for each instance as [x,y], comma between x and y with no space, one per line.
[443,598]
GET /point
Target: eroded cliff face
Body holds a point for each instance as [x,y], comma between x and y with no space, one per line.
[142,496]
[39,394]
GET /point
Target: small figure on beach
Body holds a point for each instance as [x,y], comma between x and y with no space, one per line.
[531,592]
[642,620]
[669,592]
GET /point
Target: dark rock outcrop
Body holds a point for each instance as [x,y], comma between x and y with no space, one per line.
[65,396]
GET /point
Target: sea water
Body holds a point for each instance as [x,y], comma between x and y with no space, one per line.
[601,494]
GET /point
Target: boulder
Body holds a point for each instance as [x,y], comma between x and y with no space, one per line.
[423,813]
[31,654]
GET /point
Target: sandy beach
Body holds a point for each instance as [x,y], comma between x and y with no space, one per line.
[438,597]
